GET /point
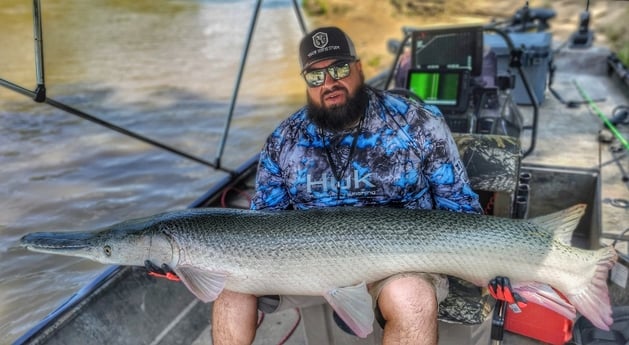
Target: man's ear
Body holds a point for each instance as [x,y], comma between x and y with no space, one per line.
[359,65]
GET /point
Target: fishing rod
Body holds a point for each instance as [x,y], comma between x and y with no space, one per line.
[600,114]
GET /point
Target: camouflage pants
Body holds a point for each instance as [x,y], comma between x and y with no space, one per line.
[465,303]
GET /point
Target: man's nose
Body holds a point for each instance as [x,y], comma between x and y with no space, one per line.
[329,81]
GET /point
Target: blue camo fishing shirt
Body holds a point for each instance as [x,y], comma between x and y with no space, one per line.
[404,156]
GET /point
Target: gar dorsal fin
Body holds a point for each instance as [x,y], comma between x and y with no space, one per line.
[561,223]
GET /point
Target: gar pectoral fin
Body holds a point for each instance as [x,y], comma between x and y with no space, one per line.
[353,304]
[206,285]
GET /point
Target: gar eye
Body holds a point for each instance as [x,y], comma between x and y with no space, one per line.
[107,250]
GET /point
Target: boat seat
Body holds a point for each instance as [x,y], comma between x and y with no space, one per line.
[493,167]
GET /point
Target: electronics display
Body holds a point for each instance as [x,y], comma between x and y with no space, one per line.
[452,47]
[447,89]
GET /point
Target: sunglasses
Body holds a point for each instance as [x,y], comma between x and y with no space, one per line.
[337,71]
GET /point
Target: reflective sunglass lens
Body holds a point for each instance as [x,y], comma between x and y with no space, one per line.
[339,71]
[316,77]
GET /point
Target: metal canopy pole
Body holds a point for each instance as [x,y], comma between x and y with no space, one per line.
[40,91]
[243,61]
[300,18]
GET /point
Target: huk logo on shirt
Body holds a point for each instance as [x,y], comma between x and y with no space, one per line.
[325,183]
[320,39]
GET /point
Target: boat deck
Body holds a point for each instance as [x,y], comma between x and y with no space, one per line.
[568,137]
[567,141]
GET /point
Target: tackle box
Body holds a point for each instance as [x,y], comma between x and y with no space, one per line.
[536,60]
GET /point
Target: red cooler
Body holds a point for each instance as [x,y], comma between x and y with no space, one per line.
[539,323]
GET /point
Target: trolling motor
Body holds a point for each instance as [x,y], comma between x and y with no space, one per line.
[583,37]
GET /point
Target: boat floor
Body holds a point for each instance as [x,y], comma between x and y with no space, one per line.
[286,328]
[567,138]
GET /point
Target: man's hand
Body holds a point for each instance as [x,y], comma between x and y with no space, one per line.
[161,272]
[500,289]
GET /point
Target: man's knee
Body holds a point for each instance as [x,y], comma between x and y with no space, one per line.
[408,297]
[234,302]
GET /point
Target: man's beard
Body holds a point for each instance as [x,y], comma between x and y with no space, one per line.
[339,117]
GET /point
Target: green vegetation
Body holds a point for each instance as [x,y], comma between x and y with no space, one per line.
[374,61]
[623,55]
[315,7]
[319,8]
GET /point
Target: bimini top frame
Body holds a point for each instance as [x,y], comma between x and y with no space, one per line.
[39,94]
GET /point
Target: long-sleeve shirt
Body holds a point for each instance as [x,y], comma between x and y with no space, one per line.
[401,154]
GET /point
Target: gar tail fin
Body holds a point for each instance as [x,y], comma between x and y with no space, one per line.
[593,301]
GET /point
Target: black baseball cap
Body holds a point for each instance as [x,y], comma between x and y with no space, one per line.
[325,43]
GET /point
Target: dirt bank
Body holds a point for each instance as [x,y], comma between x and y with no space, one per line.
[373,23]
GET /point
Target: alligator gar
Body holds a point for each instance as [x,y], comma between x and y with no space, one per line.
[335,252]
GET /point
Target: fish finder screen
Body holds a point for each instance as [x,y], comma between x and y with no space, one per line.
[439,88]
[449,48]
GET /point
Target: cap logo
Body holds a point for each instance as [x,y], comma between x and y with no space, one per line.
[320,39]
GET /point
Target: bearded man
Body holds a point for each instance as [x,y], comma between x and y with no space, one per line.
[355,146]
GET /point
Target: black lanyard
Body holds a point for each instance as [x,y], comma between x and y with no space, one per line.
[339,173]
